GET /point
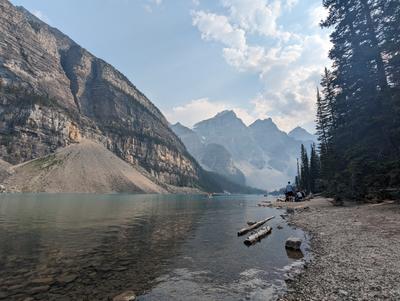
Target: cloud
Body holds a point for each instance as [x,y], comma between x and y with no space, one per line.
[316,15]
[203,108]
[195,111]
[148,7]
[290,4]
[39,14]
[289,67]
[217,28]
[255,16]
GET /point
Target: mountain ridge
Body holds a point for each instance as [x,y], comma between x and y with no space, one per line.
[265,154]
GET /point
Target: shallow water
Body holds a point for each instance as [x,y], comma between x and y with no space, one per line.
[92,247]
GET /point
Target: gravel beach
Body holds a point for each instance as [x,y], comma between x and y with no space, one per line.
[355,252]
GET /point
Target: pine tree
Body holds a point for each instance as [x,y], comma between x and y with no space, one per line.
[297,179]
[314,171]
[357,118]
[304,170]
[386,16]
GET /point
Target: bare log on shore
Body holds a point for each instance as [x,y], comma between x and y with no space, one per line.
[255,226]
[260,234]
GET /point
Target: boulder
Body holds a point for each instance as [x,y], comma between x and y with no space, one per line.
[293,243]
[126,296]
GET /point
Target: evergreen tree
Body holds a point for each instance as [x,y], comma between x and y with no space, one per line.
[297,180]
[357,117]
[304,170]
[314,171]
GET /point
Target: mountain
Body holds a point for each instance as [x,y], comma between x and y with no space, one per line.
[216,157]
[265,155]
[54,94]
[301,134]
[213,157]
[230,131]
[191,140]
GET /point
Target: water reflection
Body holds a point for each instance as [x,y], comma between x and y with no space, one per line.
[86,247]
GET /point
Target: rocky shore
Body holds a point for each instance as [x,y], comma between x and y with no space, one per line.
[355,252]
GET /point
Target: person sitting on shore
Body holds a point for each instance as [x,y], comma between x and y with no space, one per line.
[299,196]
[289,192]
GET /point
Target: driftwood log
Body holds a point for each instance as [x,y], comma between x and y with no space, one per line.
[255,226]
[260,234]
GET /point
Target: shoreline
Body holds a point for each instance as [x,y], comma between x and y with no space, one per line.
[354,251]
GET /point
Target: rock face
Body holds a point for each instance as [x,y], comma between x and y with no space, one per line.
[53,93]
[218,159]
[4,170]
[213,157]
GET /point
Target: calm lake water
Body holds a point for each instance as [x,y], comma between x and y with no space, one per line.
[93,247]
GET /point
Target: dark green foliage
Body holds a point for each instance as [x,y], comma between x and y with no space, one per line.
[304,170]
[358,120]
[314,172]
[309,172]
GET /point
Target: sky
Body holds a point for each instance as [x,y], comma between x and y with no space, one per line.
[195,58]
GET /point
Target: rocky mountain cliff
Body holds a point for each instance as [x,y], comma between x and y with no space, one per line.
[53,93]
[262,152]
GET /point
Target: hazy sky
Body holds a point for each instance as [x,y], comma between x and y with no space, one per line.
[194,58]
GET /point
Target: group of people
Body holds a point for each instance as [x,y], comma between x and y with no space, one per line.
[293,194]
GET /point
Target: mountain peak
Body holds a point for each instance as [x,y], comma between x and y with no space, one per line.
[301,134]
[222,119]
[226,113]
[264,123]
[178,124]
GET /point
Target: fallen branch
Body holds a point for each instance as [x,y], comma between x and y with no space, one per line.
[260,234]
[255,226]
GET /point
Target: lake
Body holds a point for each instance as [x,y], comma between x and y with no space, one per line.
[162,247]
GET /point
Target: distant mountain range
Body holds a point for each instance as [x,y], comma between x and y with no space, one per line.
[259,155]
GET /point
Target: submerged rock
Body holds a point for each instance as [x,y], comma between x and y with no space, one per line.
[293,243]
[66,278]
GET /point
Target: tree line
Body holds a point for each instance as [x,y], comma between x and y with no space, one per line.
[358,107]
[308,177]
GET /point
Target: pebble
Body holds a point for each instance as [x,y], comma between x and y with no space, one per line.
[39,289]
[126,296]
[343,265]
[43,281]
[66,278]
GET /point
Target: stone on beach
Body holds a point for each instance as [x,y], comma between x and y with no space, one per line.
[293,243]
[126,296]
